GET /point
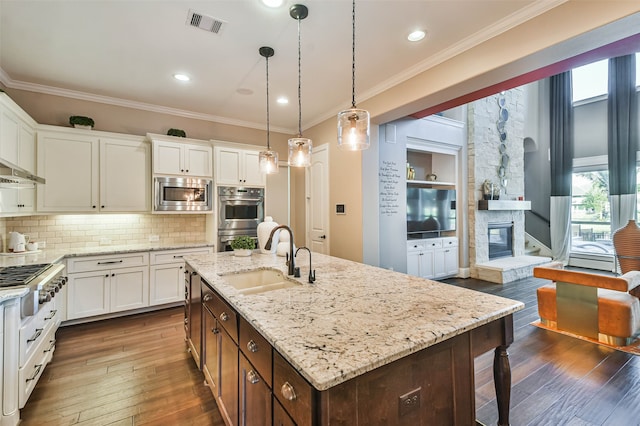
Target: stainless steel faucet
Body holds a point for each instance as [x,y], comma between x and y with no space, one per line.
[290,255]
[312,272]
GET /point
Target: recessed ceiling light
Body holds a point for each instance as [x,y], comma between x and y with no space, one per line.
[416,35]
[272,3]
[282,100]
[181,77]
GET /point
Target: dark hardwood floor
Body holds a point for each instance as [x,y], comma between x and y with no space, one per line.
[135,371]
[128,371]
[555,379]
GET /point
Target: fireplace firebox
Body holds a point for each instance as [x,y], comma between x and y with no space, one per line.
[500,240]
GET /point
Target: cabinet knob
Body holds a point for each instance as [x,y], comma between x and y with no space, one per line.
[215,330]
[252,346]
[93,207]
[207,297]
[252,377]
[187,171]
[288,392]
[224,316]
[102,207]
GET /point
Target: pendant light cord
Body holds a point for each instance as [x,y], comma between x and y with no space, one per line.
[268,142]
[299,85]
[353,56]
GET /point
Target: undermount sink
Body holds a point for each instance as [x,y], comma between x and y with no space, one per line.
[259,281]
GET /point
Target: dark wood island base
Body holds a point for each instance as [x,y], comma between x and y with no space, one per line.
[433,386]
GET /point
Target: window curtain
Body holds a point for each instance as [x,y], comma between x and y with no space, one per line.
[561,144]
[622,135]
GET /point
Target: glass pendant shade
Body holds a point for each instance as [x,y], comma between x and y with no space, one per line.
[268,162]
[299,152]
[353,129]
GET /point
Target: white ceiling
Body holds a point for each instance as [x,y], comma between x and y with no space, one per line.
[125,52]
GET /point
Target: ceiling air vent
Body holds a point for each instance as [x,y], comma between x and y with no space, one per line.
[204,22]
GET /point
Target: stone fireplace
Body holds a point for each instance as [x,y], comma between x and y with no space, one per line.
[496,155]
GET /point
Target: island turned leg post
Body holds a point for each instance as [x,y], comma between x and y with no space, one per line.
[502,381]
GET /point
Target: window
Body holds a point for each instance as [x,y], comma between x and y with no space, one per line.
[590,80]
[590,214]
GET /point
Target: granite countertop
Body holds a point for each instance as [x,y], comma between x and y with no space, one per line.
[354,318]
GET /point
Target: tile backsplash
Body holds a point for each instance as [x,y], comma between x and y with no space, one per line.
[80,231]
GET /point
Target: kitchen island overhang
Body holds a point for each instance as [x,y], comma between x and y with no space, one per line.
[357,318]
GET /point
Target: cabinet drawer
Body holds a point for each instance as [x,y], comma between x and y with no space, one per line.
[256,349]
[99,263]
[172,256]
[449,242]
[433,243]
[416,245]
[226,316]
[292,390]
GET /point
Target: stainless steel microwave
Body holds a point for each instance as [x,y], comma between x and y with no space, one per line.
[182,194]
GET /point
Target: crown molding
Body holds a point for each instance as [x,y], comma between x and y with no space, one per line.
[108,100]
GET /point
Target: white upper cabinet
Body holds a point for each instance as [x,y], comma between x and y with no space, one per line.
[69,163]
[17,135]
[235,166]
[181,158]
[89,171]
[125,175]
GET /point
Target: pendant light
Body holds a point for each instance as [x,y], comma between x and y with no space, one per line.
[299,147]
[268,159]
[353,123]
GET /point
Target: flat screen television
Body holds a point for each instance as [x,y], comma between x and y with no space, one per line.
[430,210]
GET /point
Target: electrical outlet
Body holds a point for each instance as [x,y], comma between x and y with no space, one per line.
[154,238]
[409,402]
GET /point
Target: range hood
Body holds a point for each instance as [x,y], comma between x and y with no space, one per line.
[14,176]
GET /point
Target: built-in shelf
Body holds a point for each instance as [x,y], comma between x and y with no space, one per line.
[429,182]
[504,205]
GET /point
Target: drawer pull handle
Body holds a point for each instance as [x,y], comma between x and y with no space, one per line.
[35,373]
[178,256]
[252,377]
[288,392]
[35,336]
[207,297]
[252,346]
[224,316]
[53,314]
[111,262]
[51,346]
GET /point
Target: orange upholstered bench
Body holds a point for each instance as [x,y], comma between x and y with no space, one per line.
[602,307]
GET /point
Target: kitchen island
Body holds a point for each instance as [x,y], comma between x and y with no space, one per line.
[377,346]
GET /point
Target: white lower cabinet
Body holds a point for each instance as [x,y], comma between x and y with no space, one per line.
[167,274]
[101,285]
[433,257]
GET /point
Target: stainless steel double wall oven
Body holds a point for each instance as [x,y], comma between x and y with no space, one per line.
[240,210]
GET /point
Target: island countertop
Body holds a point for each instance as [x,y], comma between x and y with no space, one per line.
[354,318]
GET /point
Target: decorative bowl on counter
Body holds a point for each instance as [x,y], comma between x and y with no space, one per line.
[242,252]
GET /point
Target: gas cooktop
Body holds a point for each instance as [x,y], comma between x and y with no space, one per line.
[12,276]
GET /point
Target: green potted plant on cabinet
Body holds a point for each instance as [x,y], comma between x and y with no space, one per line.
[81,122]
[177,132]
[243,245]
